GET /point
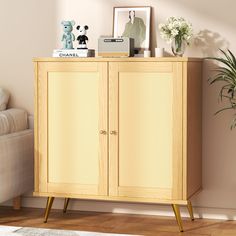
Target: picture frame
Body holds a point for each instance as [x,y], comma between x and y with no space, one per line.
[133,22]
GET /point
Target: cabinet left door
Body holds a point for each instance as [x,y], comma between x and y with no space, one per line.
[71,144]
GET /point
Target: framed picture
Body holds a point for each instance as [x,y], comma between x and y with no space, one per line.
[133,22]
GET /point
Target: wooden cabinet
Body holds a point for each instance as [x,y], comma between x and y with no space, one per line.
[118,129]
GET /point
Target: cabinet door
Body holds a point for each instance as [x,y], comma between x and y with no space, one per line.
[145,123]
[72,113]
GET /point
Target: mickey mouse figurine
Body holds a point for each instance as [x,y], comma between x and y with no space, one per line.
[82,38]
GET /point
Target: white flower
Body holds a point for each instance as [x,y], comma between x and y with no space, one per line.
[174,32]
[170,26]
[176,26]
[161,26]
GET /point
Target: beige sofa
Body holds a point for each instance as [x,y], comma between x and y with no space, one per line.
[16,154]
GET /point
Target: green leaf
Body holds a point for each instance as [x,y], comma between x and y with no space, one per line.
[233,57]
[223,109]
[220,78]
[228,57]
[226,74]
[226,71]
[225,62]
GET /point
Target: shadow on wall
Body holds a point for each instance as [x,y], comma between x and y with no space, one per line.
[222,12]
[210,42]
[219,160]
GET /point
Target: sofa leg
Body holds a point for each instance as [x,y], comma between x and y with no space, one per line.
[17,203]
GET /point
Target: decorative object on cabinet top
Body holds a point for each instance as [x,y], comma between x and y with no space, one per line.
[82,38]
[133,22]
[74,53]
[178,32]
[68,37]
[115,47]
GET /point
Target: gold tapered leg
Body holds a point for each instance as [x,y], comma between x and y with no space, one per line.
[48,208]
[66,204]
[178,216]
[190,210]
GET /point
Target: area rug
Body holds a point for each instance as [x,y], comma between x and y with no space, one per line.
[26,231]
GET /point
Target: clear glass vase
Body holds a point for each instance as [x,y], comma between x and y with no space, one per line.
[178,46]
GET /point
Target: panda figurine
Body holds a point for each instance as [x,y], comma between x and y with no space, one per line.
[82,38]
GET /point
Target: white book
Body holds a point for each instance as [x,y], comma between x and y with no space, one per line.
[73,53]
[71,50]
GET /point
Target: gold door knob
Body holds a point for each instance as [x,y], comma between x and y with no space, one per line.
[103,132]
[113,132]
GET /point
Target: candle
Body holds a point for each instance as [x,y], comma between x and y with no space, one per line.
[147,53]
[159,52]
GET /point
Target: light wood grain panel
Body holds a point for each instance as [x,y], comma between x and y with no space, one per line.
[73,127]
[128,59]
[155,85]
[145,129]
[113,198]
[56,83]
[103,126]
[177,191]
[36,139]
[83,189]
[71,66]
[42,127]
[159,193]
[146,67]
[113,126]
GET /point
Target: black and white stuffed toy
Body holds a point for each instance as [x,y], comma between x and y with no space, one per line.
[82,38]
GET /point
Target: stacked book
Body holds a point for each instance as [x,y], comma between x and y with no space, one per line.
[73,53]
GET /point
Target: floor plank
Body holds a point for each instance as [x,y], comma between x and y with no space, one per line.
[115,223]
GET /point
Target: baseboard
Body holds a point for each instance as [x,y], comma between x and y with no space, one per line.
[130,208]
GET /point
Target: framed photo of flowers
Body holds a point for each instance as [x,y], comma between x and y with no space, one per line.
[133,22]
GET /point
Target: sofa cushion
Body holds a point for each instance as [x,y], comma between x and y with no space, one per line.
[4,97]
[13,120]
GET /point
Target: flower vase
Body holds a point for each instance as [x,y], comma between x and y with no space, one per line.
[178,46]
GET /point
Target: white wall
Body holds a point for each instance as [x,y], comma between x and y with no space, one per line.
[29,31]
[35,29]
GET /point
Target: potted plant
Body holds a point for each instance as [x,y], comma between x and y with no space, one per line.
[226,74]
[178,32]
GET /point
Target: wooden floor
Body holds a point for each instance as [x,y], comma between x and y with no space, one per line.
[115,223]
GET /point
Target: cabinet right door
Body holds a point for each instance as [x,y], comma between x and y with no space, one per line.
[145,130]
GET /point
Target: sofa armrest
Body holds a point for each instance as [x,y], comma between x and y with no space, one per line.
[17,164]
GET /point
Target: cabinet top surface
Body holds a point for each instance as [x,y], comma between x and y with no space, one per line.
[112,59]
